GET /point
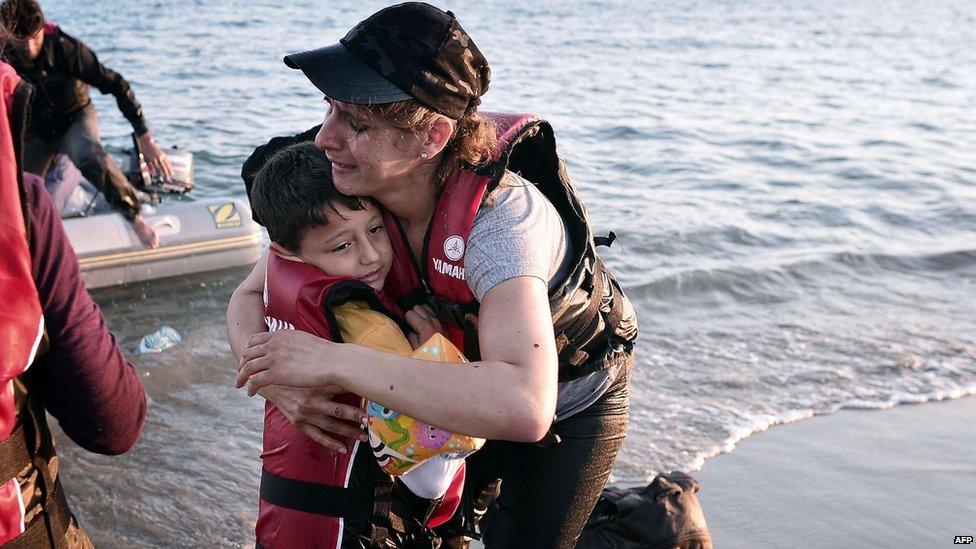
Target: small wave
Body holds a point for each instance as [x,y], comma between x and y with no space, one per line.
[744,429]
[709,240]
[712,65]
[632,133]
[883,143]
[625,133]
[765,144]
[751,425]
[939,82]
[856,174]
[784,281]
[831,159]
[934,262]
[711,285]
[924,127]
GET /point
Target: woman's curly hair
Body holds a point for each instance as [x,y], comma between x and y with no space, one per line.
[473,143]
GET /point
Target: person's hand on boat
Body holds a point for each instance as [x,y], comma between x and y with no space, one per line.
[145,232]
[314,412]
[155,158]
[287,357]
[424,324]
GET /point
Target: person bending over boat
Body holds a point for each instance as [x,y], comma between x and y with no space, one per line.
[65,363]
[493,236]
[329,261]
[63,119]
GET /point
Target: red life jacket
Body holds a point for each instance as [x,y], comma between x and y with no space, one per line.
[592,318]
[305,487]
[21,315]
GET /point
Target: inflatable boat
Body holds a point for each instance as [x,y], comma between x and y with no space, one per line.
[194,235]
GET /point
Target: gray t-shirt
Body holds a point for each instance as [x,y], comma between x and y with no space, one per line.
[518,232]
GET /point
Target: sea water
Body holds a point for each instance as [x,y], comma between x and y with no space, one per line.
[793,186]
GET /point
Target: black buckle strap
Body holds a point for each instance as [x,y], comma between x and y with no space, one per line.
[606,241]
[445,310]
[377,507]
[382,517]
[459,314]
[568,351]
[310,497]
[400,518]
[417,297]
[462,315]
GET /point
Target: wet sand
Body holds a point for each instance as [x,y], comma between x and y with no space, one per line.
[903,477]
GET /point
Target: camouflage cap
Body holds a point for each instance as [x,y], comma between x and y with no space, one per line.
[411,50]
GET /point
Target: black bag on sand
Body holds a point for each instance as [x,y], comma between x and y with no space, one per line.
[663,514]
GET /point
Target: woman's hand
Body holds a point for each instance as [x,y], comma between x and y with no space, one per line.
[313,412]
[286,357]
[421,318]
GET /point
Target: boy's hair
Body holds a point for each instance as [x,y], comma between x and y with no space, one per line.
[293,191]
[21,18]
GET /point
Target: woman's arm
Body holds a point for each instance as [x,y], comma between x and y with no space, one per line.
[311,410]
[510,394]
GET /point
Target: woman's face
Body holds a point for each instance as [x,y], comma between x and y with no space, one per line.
[368,155]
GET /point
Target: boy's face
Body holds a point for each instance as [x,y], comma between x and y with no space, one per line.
[353,243]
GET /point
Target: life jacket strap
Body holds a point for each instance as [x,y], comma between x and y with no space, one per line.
[582,359]
[382,518]
[615,316]
[459,314]
[568,350]
[22,449]
[377,507]
[14,454]
[388,519]
[321,499]
[49,528]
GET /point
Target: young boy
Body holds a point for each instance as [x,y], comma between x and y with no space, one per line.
[330,256]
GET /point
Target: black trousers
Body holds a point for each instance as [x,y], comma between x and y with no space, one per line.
[81,142]
[547,493]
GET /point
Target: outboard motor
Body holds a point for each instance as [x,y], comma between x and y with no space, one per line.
[137,171]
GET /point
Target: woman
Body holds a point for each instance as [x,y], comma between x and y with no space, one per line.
[512,263]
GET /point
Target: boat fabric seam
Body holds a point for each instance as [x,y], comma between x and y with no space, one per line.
[167,252]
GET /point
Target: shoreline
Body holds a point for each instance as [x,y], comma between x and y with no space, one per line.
[902,476]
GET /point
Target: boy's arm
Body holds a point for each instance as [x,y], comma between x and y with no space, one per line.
[312,411]
[245,311]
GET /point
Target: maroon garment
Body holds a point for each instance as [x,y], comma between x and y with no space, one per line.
[83,380]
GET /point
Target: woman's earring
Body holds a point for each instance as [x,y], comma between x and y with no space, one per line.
[423,154]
